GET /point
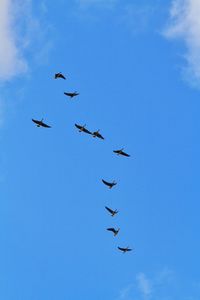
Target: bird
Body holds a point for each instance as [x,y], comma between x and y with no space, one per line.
[40,123]
[82,128]
[121,152]
[71,95]
[112,212]
[115,231]
[109,184]
[59,75]
[97,134]
[124,250]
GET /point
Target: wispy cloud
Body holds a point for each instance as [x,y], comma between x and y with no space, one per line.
[11,58]
[144,285]
[184,24]
[19,31]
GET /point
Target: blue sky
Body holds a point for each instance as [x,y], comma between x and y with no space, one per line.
[136,65]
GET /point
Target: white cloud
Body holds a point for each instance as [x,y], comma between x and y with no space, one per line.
[184,24]
[11,59]
[144,285]
[21,33]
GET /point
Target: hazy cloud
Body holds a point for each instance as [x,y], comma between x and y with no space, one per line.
[11,58]
[184,24]
[21,33]
[144,285]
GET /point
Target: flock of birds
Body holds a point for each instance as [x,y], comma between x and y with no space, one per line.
[82,128]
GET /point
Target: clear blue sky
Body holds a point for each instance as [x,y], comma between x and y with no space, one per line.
[54,243]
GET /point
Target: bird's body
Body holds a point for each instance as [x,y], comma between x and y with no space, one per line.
[109,184]
[124,250]
[115,231]
[121,152]
[97,134]
[59,75]
[112,212]
[40,123]
[71,95]
[82,128]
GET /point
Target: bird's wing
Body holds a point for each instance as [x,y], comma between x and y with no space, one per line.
[116,151]
[45,125]
[67,94]
[109,209]
[128,249]
[100,136]
[121,249]
[78,126]
[36,121]
[111,229]
[87,131]
[105,182]
[125,154]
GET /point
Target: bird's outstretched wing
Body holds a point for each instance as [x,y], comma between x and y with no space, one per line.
[78,126]
[109,184]
[45,125]
[106,183]
[86,131]
[109,209]
[111,229]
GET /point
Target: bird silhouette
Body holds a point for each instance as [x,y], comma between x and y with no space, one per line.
[112,212]
[124,250]
[109,184]
[97,134]
[115,231]
[59,75]
[82,128]
[121,152]
[71,95]
[40,123]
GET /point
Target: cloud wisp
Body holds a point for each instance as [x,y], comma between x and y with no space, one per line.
[144,285]
[22,33]
[184,25]
[11,58]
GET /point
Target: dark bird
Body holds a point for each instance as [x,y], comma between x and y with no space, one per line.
[112,212]
[97,134]
[41,123]
[121,152]
[71,95]
[109,184]
[82,128]
[115,231]
[59,75]
[124,250]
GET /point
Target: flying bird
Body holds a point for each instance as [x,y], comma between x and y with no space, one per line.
[71,95]
[124,250]
[121,152]
[115,231]
[82,128]
[41,123]
[112,212]
[109,184]
[97,134]
[59,75]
